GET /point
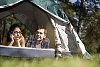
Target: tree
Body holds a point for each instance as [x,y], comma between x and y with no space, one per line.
[88,23]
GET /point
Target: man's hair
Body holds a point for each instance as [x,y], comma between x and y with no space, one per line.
[42,27]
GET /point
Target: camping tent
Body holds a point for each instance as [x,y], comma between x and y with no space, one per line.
[47,13]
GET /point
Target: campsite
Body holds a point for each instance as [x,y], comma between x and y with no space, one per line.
[32,13]
[58,28]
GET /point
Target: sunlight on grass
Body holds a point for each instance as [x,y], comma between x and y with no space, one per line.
[49,62]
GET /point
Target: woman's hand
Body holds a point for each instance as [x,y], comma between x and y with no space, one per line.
[20,40]
[12,37]
[12,40]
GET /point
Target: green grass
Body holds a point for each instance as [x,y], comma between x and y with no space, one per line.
[49,62]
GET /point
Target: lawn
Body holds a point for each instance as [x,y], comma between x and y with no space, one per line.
[50,62]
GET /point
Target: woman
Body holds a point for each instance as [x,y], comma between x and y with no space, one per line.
[15,37]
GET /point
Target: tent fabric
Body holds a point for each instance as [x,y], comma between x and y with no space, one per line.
[7,3]
[64,36]
[48,14]
[49,5]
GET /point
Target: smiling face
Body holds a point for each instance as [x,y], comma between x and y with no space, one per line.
[40,34]
[16,33]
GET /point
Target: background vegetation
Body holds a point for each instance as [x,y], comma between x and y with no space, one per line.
[5,24]
[85,17]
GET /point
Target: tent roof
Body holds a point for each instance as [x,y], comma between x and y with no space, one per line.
[48,5]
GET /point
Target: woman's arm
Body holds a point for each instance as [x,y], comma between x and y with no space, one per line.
[10,43]
[12,40]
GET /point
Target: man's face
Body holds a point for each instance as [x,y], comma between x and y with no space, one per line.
[40,34]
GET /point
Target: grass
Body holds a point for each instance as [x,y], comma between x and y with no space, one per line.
[49,62]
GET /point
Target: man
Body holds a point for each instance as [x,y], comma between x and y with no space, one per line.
[39,40]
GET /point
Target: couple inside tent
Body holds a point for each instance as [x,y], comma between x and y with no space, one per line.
[49,14]
[15,38]
[38,40]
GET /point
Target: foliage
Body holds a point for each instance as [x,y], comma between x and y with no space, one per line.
[92,34]
[88,23]
[5,24]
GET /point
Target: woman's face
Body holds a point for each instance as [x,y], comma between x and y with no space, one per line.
[17,33]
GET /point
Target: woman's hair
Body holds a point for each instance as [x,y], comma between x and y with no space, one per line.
[11,29]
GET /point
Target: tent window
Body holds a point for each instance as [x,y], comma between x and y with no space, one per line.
[5,23]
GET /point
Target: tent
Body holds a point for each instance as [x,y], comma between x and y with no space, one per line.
[47,13]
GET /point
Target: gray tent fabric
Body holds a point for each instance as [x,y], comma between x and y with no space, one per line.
[47,13]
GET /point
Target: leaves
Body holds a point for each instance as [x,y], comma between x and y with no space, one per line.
[88,25]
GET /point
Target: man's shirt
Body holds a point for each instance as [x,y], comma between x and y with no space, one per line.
[31,42]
